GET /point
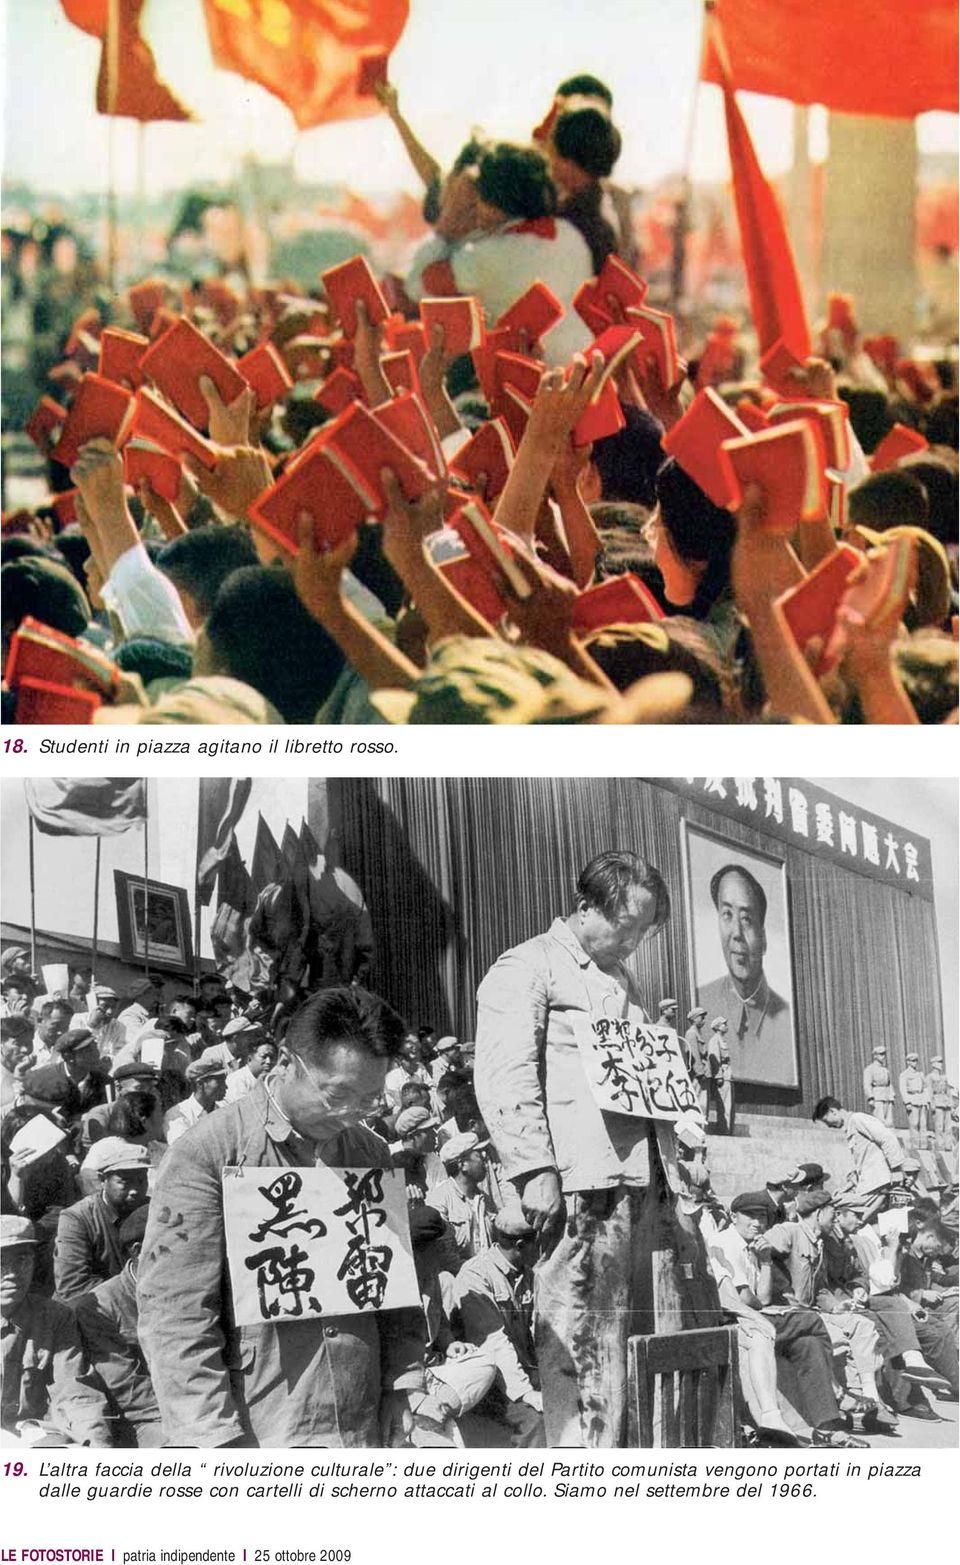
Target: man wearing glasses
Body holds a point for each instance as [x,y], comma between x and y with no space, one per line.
[353,1381]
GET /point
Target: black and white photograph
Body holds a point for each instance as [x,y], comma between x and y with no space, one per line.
[154,921]
[439,1141]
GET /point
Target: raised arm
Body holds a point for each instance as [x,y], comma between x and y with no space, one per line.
[318,580]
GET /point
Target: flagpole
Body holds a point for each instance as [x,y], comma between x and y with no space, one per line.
[146,876]
[113,73]
[196,905]
[96,913]
[33,901]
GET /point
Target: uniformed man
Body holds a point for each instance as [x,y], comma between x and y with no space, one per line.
[878,1088]
[913,1096]
[719,1079]
[669,1010]
[940,1100]
[695,1050]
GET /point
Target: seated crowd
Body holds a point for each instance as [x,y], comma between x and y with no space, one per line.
[486,492]
[845,1308]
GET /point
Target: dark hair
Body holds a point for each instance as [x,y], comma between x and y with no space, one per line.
[699,532]
[131,1113]
[628,461]
[199,562]
[585,87]
[940,482]
[153,659]
[606,880]
[413,1094]
[55,1003]
[941,422]
[823,1108]
[870,416]
[751,880]
[261,633]
[351,1016]
[74,550]
[469,154]
[45,589]
[13,1029]
[589,139]
[517,181]
[888,499]
[928,670]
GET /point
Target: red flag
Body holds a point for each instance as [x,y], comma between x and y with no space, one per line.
[855,56]
[776,302]
[86,806]
[127,81]
[222,801]
[306,52]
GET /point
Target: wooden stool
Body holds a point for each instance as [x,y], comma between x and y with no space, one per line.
[683,1389]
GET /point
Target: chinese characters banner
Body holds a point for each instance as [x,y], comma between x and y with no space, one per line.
[310,1243]
[795,811]
[633,1068]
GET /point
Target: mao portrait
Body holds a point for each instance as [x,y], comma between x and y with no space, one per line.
[740,957]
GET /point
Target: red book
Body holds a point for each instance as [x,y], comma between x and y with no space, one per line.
[86,326]
[810,608]
[787,464]
[617,278]
[340,353]
[837,507]
[372,72]
[622,600]
[491,451]
[489,546]
[175,364]
[66,374]
[406,418]
[498,340]
[37,651]
[39,701]
[830,418]
[312,484]
[778,366]
[64,508]
[120,356]
[264,370]
[589,307]
[310,358]
[884,584]
[145,463]
[602,417]
[99,409]
[535,312]
[515,412]
[400,371]
[349,283]
[884,350]
[407,336]
[659,337]
[145,299]
[360,447]
[338,391]
[695,442]
[161,322]
[221,299]
[475,584]
[752,416]
[840,311]
[523,374]
[46,417]
[461,320]
[162,425]
[899,442]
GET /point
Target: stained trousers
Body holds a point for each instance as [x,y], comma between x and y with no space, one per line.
[805,1366]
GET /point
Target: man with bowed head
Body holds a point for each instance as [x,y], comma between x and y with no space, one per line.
[581,1173]
[351,1381]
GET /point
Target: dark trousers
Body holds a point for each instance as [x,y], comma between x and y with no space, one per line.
[805,1366]
[938,1340]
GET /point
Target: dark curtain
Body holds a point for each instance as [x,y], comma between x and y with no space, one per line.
[457,870]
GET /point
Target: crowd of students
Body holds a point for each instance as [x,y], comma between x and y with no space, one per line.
[558,541]
[844,1300]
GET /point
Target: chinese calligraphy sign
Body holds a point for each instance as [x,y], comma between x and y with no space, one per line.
[633,1068]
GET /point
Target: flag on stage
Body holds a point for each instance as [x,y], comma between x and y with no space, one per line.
[306,52]
[776,301]
[266,868]
[86,806]
[855,56]
[235,903]
[221,803]
[127,81]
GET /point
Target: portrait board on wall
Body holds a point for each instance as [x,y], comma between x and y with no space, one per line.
[741,959]
[154,922]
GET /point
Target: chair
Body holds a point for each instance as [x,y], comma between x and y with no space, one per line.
[683,1389]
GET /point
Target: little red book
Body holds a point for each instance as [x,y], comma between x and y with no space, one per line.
[787,464]
[264,370]
[348,283]
[659,338]
[37,651]
[313,484]
[407,336]
[372,72]
[46,417]
[602,417]
[162,425]
[499,339]
[491,451]
[490,547]
[622,600]
[516,408]
[810,608]
[830,418]
[338,391]
[461,320]
[475,584]
[359,446]
[143,462]
[85,329]
[99,409]
[175,364]
[780,369]
[523,374]
[620,280]
[695,441]
[120,356]
[64,508]
[145,299]
[406,418]
[400,371]
[884,350]
[590,308]
[899,442]
[840,311]
[750,414]
[161,322]
[535,312]
[40,701]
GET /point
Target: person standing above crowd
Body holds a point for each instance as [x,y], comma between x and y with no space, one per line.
[876,1152]
[878,1088]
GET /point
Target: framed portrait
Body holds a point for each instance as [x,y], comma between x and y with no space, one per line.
[154,922]
[741,958]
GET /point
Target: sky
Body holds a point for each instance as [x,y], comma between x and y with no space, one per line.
[460,63]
